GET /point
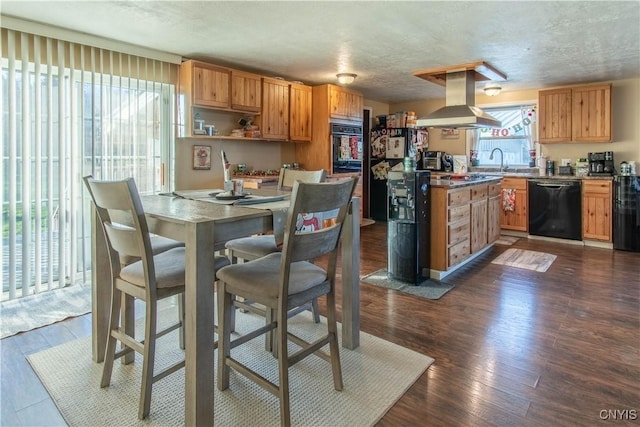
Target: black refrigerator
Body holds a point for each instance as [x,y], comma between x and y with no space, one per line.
[626,213]
[389,147]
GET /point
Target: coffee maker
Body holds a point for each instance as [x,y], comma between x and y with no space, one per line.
[601,164]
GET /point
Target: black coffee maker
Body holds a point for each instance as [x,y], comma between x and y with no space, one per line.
[601,164]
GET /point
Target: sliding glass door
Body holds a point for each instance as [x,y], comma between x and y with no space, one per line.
[69,111]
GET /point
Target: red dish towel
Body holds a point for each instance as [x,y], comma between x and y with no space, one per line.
[508,199]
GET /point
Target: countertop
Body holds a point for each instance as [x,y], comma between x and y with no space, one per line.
[443,180]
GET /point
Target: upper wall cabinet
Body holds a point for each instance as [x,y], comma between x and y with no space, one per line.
[246,91]
[300,105]
[274,122]
[575,114]
[344,103]
[591,114]
[210,85]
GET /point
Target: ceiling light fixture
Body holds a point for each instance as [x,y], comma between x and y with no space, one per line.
[492,89]
[346,78]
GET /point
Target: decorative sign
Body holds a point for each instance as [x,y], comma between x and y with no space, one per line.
[516,129]
[202,157]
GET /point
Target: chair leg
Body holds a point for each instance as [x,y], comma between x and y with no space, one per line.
[181,319]
[128,322]
[225,305]
[334,347]
[148,361]
[283,367]
[315,310]
[110,351]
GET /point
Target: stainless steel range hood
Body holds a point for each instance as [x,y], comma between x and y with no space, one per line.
[460,110]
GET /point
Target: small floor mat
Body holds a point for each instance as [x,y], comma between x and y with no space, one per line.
[530,260]
[430,289]
[507,240]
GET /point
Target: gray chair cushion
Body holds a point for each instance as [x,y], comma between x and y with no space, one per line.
[258,246]
[169,269]
[261,278]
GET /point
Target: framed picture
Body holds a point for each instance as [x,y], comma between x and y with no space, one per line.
[450,133]
[202,157]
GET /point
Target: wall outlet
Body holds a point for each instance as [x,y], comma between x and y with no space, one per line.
[565,162]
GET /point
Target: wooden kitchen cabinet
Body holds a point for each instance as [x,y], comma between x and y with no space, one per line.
[300,111]
[246,91]
[494,205]
[317,153]
[518,219]
[575,114]
[597,206]
[479,220]
[554,115]
[274,119]
[591,113]
[210,84]
[450,226]
[344,103]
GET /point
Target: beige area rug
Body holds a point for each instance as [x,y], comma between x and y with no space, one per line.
[520,258]
[375,376]
[507,240]
[34,311]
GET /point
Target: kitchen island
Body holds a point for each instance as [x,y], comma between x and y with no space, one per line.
[465,221]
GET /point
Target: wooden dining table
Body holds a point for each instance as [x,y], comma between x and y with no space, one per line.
[204,227]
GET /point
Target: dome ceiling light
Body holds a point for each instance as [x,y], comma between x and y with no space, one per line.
[346,78]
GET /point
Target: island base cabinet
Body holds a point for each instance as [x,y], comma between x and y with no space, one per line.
[464,221]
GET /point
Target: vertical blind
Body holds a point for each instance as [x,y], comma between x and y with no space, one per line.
[70,110]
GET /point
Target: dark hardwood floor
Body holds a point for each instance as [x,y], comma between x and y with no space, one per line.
[511,346]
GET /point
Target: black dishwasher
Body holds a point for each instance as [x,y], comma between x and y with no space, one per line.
[555,208]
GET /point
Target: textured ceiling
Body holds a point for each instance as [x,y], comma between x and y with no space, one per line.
[536,44]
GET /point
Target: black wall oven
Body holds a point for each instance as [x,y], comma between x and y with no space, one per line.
[555,208]
[346,141]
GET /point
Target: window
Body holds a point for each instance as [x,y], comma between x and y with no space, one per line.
[69,111]
[515,138]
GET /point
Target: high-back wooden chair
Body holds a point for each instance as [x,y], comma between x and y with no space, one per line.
[283,280]
[254,247]
[149,279]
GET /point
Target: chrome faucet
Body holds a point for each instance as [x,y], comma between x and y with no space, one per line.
[502,169]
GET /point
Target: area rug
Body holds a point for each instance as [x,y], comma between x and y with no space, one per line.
[530,260]
[430,289]
[375,376]
[34,311]
[507,240]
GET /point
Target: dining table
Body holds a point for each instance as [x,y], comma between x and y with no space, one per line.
[204,226]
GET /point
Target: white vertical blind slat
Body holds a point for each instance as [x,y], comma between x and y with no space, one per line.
[38,163]
[62,155]
[25,195]
[50,156]
[12,160]
[73,176]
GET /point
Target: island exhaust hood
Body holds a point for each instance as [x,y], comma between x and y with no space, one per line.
[460,110]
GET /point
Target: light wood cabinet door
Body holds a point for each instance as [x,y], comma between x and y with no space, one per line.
[338,103]
[597,206]
[493,218]
[591,113]
[554,115]
[300,105]
[517,219]
[275,109]
[355,106]
[479,223]
[210,86]
[246,91]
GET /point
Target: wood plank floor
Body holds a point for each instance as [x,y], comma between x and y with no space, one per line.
[512,346]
